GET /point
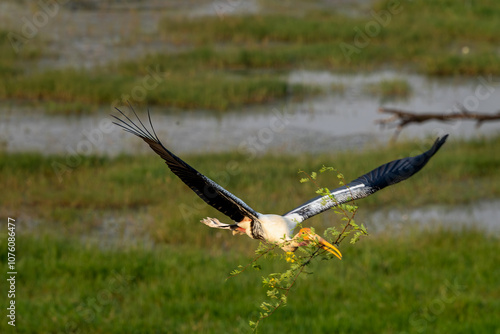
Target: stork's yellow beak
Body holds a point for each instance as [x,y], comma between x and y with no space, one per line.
[329,247]
[306,234]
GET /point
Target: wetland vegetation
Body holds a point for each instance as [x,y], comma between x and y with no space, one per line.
[236,60]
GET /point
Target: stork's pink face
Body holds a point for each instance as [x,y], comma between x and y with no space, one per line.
[307,235]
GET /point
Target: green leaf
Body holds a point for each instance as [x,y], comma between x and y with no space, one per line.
[325,169]
[363,228]
[272,293]
[266,306]
[283,299]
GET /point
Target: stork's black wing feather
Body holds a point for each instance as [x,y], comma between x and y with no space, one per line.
[208,190]
[379,178]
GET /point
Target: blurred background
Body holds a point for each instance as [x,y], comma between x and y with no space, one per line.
[248,93]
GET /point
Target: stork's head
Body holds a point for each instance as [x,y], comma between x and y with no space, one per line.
[306,236]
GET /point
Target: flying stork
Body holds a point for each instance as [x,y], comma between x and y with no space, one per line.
[271,227]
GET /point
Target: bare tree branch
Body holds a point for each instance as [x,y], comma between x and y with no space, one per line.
[401,118]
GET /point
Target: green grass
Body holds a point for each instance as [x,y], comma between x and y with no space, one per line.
[390,88]
[439,282]
[428,36]
[191,80]
[107,249]
[80,91]
[12,63]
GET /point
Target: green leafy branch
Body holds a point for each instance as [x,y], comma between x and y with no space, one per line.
[347,211]
[279,284]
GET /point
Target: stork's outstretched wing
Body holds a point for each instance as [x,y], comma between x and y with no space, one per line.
[379,178]
[208,190]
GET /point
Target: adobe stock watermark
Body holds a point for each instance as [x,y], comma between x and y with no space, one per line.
[484,89]
[139,92]
[251,147]
[428,313]
[255,144]
[31,26]
[224,7]
[364,35]
[94,137]
[462,110]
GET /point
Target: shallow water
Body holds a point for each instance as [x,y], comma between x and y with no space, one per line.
[119,230]
[483,216]
[331,121]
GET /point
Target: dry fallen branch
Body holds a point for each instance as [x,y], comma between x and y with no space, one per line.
[401,118]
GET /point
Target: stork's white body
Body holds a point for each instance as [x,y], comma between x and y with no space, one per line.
[276,228]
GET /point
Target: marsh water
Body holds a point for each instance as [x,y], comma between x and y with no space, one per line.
[325,122]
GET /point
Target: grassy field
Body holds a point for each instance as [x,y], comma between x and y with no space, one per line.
[231,61]
[184,80]
[433,37]
[111,248]
[439,282]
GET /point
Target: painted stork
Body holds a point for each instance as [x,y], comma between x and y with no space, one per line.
[271,227]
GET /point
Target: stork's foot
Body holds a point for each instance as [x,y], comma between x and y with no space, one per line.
[215,223]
